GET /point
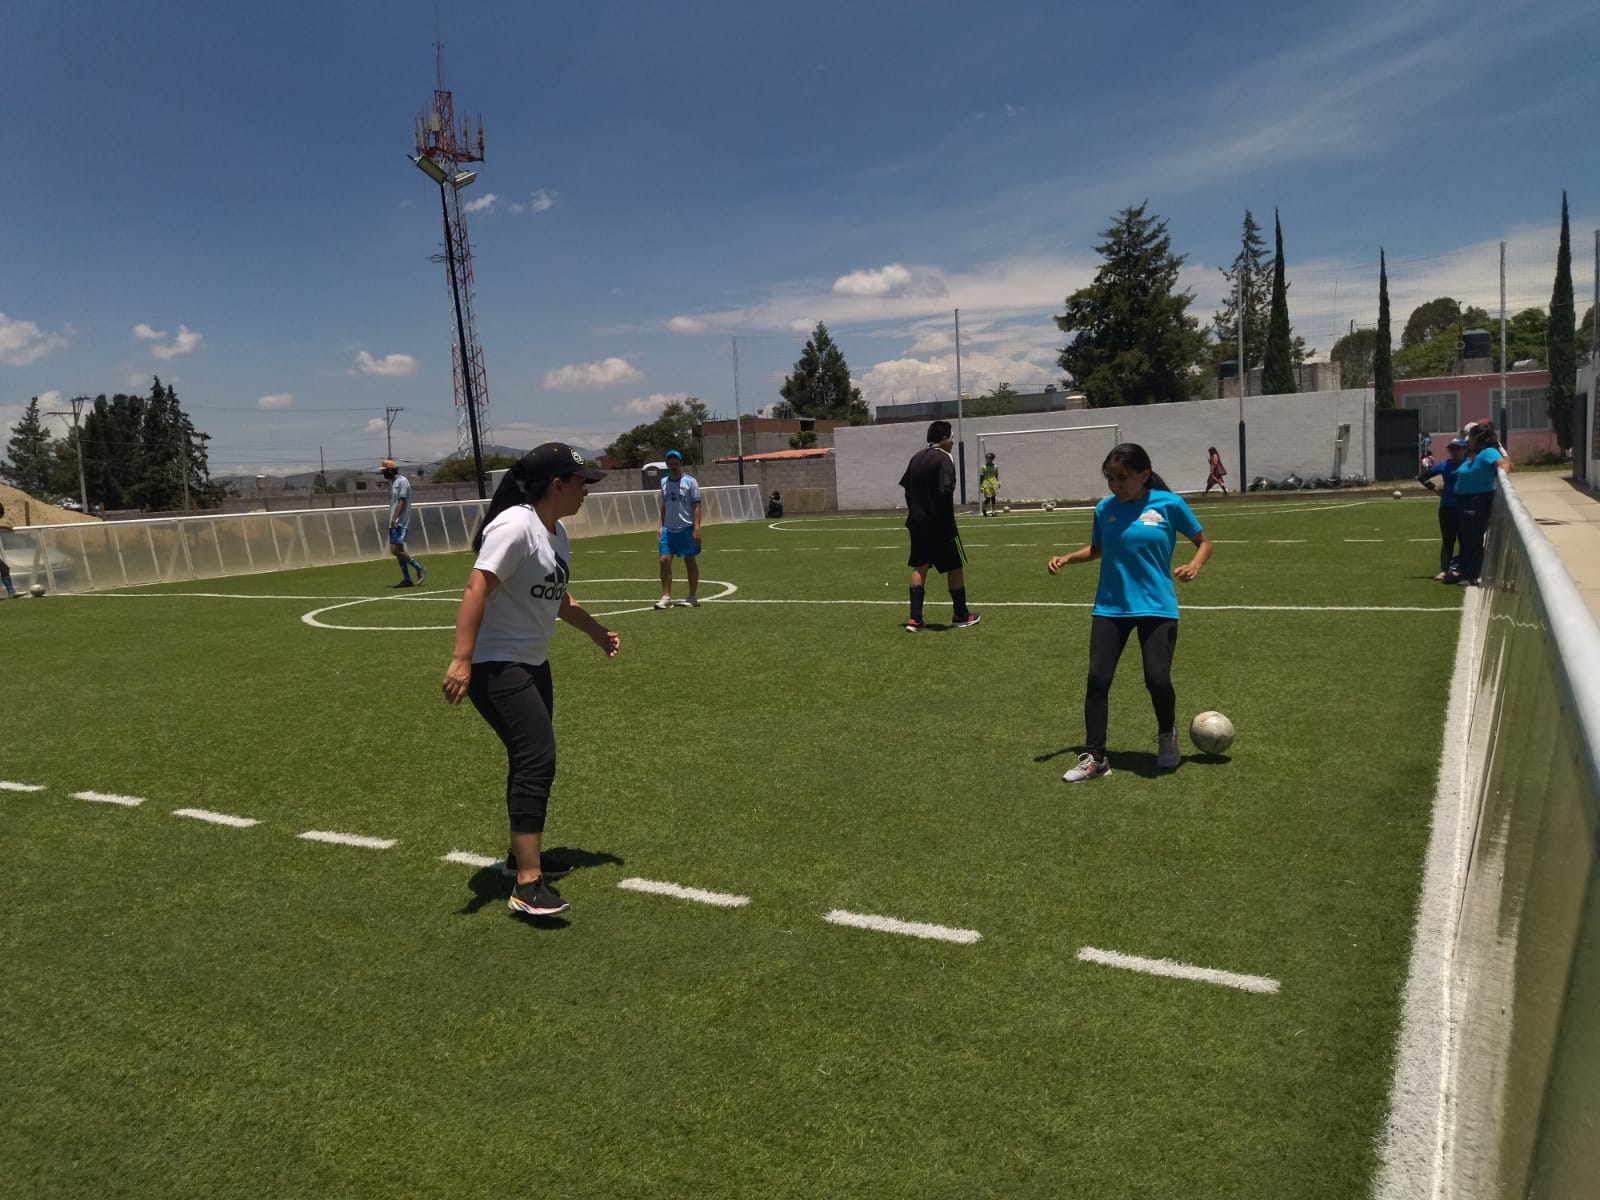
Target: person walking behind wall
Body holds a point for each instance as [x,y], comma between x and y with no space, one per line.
[1216,473]
[514,596]
[930,487]
[1475,481]
[1133,536]
[1449,515]
[400,522]
[679,535]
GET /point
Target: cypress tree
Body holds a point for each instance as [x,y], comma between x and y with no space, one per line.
[1382,361]
[1561,395]
[1277,376]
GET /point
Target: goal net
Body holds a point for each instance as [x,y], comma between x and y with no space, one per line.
[1049,464]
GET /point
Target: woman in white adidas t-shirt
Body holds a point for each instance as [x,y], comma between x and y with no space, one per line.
[517,591]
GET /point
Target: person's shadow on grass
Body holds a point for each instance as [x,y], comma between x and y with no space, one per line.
[1138,763]
[488,885]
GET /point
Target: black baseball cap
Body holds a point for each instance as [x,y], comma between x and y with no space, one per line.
[556,459]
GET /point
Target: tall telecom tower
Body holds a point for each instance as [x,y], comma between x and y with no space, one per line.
[441,149]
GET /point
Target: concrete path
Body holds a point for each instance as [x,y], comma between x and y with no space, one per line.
[1569,515]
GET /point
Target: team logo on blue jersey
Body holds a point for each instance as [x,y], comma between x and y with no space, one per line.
[1151,517]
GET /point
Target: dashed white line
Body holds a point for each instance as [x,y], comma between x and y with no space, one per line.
[216,818]
[468,859]
[1363,539]
[1287,541]
[347,839]
[699,895]
[109,798]
[7,785]
[1177,970]
[942,933]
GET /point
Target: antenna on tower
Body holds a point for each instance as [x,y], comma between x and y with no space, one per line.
[442,148]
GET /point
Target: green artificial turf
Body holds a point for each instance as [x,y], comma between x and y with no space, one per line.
[195,1010]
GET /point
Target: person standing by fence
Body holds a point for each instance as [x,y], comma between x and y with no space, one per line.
[1475,482]
[1449,515]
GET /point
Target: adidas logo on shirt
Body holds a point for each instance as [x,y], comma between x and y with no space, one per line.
[554,586]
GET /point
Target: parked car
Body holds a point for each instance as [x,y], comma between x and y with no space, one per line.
[31,564]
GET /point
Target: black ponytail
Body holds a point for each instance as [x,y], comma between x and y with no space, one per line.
[513,490]
[1133,456]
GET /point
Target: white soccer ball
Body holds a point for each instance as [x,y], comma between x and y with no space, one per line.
[1211,732]
[36,590]
[1397,493]
[1005,508]
[1049,506]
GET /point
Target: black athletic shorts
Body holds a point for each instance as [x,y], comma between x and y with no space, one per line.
[945,553]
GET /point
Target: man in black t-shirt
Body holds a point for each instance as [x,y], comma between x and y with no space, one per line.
[930,483]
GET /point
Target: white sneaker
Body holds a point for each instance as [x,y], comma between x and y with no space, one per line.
[1168,756]
[1088,768]
[691,602]
[664,602]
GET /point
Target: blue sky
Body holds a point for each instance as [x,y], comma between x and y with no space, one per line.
[218,194]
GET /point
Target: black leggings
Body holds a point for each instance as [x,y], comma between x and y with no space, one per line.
[1449,534]
[1475,509]
[1158,638]
[518,702]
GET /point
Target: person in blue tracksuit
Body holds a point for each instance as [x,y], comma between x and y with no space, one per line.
[1475,483]
[1135,531]
[1449,517]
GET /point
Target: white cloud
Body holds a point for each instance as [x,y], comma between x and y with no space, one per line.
[688,325]
[184,343]
[390,366]
[648,406]
[23,342]
[49,399]
[583,377]
[376,425]
[890,281]
[275,400]
[538,201]
[145,333]
[484,203]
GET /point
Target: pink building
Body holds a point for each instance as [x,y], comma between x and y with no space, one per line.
[1447,402]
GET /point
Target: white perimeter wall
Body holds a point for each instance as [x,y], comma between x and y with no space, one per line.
[1285,434]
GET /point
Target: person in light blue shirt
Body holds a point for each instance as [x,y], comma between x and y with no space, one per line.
[1135,531]
[400,523]
[1475,483]
[679,535]
[1449,517]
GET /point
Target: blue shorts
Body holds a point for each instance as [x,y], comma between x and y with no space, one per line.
[397,535]
[679,543]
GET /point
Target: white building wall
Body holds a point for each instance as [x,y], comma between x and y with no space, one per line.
[1294,433]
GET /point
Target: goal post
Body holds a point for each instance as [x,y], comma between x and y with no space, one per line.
[1060,463]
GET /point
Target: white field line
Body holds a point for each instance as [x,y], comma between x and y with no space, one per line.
[1364,539]
[1416,1147]
[212,596]
[467,859]
[216,818]
[347,839]
[1177,970]
[942,933]
[1287,541]
[109,798]
[699,895]
[1308,608]
[7,785]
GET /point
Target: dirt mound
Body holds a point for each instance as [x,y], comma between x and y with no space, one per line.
[23,509]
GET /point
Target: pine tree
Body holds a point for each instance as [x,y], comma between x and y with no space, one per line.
[1277,373]
[820,386]
[1136,342]
[1249,266]
[30,455]
[1382,361]
[1561,395]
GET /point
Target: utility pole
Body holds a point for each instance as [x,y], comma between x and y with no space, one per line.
[961,445]
[77,409]
[389,414]
[1243,482]
[322,468]
[738,416]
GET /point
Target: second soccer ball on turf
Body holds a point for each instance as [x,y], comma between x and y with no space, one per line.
[36,590]
[1211,732]
[1397,493]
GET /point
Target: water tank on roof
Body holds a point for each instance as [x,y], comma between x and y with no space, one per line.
[1475,344]
[1228,369]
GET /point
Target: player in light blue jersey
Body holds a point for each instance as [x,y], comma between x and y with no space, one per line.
[1135,531]
[679,534]
[400,522]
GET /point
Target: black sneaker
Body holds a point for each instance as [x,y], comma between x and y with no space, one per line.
[549,868]
[966,622]
[914,625]
[403,583]
[537,899]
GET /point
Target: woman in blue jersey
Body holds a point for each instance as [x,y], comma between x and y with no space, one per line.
[1135,531]
[514,596]
[1449,517]
[1475,498]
